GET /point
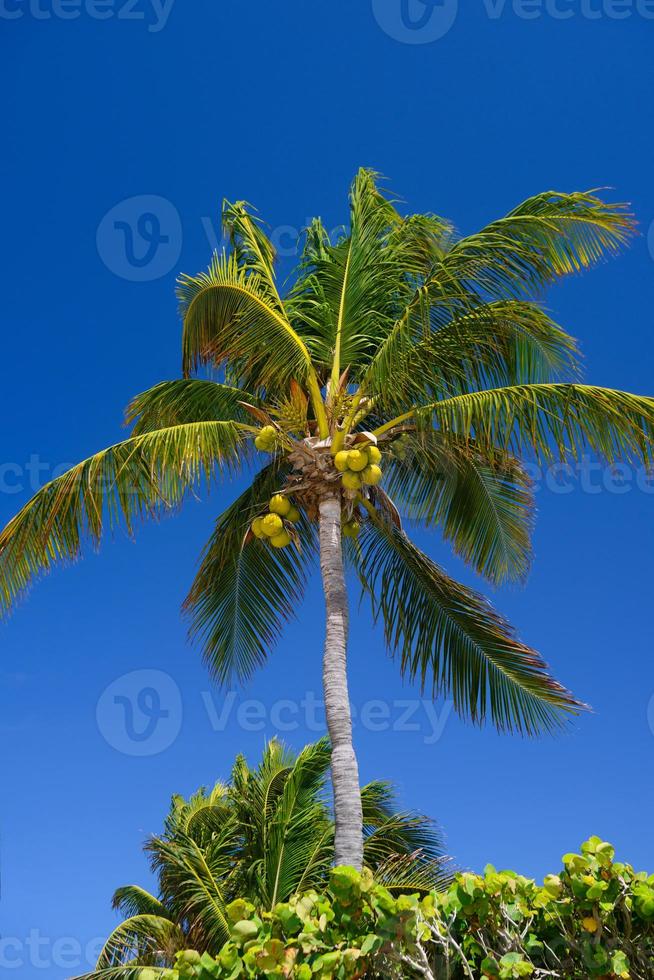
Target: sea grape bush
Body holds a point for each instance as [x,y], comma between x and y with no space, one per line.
[593,919]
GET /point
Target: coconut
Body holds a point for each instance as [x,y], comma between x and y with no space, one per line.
[147,974]
[357,459]
[279,505]
[190,956]
[372,474]
[281,540]
[340,460]
[351,529]
[373,454]
[257,529]
[266,439]
[271,525]
[293,515]
[351,481]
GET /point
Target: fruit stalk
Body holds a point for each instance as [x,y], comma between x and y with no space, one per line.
[348,843]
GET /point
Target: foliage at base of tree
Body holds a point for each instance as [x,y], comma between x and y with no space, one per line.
[593,919]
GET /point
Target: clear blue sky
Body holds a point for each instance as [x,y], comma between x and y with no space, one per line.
[279,103]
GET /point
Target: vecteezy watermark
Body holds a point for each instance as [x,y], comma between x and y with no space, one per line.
[44,952]
[650,714]
[415,21]
[568,9]
[153,13]
[587,476]
[140,238]
[140,713]
[408,715]
[425,21]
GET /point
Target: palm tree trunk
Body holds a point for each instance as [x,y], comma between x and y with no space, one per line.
[345,771]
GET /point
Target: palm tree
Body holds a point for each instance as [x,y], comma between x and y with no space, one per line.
[397,342]
[263,837]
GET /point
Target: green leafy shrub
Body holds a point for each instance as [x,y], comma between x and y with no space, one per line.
[594,919]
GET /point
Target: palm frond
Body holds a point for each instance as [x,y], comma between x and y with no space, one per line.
[253,250]
[140,477]
[294,811]
[149,939]
[132,900]
[132,972]
[406,850]
[195,882]
[388,830]
[483,503]
[245,590]
[450,640]
[552,421]
[453,350]
[229,316]
[546,237]
[407,874]
[186,400]
[351,289]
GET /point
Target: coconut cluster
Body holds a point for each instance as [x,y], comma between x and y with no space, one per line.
[272,526]
[359,466]
[266,440]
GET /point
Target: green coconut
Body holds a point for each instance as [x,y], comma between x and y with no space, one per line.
[371,475]
[257,529]
[266,439]
[374,454]
[351,529]
[357,460]
[281,540]
[351,481]
[190,956]
[271,525]
[293,514]
[279,505]
[340,460]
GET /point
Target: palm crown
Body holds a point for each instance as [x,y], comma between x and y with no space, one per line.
[263,837]
[399,348]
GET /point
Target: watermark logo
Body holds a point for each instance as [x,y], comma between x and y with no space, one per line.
[153,13]
[140,238]
[140,713]
[570,9]
[415,21]
[406,715]
[587,476]
[425,21]
[44,952]
[650,714]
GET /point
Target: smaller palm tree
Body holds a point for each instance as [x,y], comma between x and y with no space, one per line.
[264,836]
